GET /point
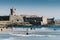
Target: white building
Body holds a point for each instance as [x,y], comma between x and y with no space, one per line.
[44,21]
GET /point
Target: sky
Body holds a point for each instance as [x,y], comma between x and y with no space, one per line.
[48,8]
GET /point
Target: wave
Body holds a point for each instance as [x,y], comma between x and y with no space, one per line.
[45,29]
[30,35]
[41,30]
[38,32]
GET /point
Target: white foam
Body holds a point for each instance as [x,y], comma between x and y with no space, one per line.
[41,30]
[45,29]
[24,35]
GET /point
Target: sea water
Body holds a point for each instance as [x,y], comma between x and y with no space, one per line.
[36,33]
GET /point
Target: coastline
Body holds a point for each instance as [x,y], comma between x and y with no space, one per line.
[10,28]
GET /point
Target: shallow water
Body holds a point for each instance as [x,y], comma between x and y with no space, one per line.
[37,33]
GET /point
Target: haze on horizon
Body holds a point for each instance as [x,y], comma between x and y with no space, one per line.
[48,8]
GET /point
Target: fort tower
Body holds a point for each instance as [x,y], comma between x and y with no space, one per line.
[13,11]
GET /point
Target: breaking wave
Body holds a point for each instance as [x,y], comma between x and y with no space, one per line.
[40,32]
[45,29]
[33,35]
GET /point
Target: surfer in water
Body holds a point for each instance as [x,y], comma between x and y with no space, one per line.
[54,29]
[31,28]
[26,33]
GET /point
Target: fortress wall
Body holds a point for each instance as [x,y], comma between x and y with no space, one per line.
[15,19]
[4,22]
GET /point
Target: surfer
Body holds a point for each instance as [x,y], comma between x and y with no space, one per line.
[55,29]
[27,33]
[31,28]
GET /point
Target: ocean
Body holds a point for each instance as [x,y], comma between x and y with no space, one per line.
[34,33]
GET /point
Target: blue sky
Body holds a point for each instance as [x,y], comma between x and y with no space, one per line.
[48,8]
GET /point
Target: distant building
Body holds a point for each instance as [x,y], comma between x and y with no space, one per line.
[50,21]
[14,19]
[33,20]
